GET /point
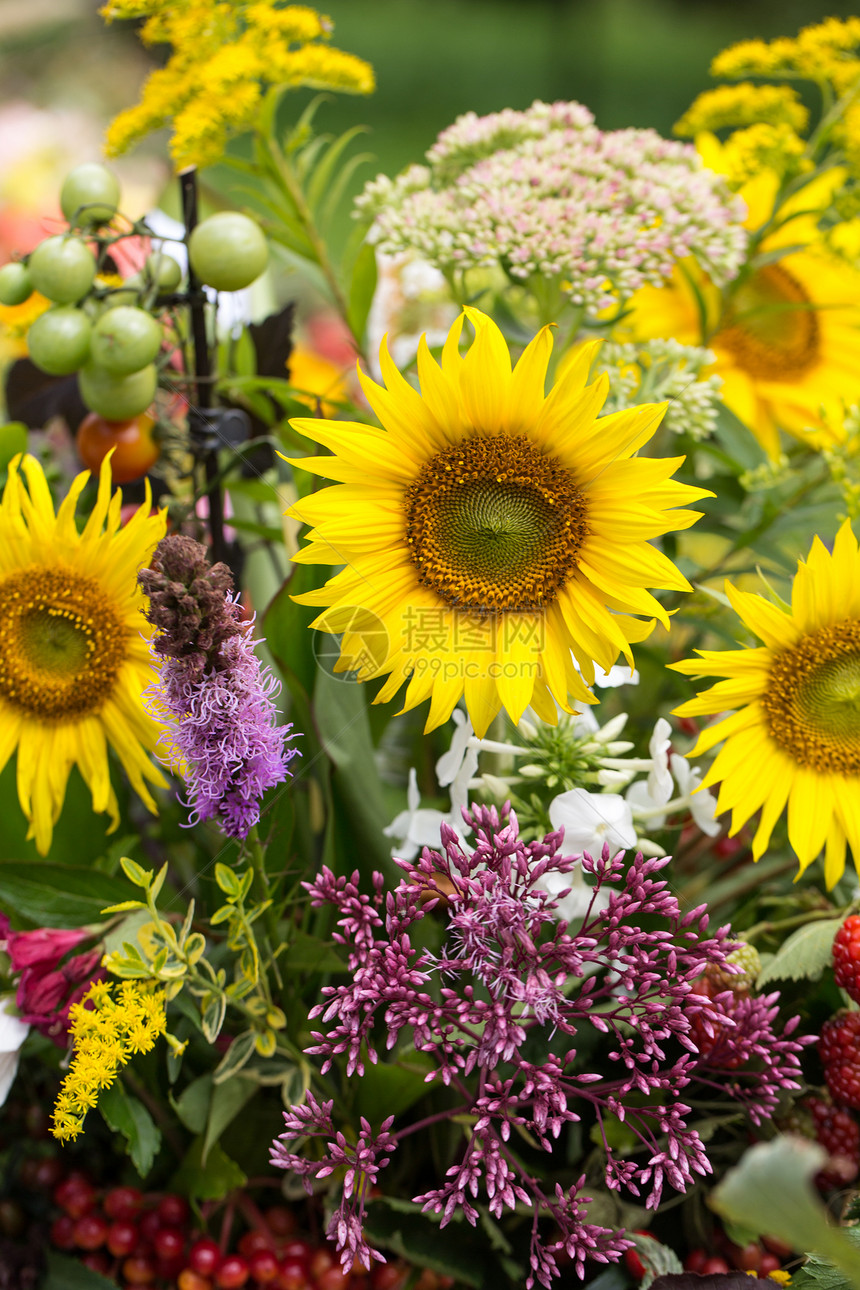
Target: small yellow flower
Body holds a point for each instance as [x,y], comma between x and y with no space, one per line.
[743,104]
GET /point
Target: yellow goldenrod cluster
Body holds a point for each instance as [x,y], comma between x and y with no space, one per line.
[224,55]
[108,1027]
[743,104]
[776,148]
[823,52]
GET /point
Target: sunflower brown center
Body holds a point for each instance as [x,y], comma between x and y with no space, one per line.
[61,644]
[813,699]
[770,328]
[494,525]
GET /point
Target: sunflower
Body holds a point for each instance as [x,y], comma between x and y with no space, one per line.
[795,738]
[786,336]
[490,533]
[73,657]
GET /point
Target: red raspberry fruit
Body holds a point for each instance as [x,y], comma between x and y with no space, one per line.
[839,1134]
[846,957]
[839,1050]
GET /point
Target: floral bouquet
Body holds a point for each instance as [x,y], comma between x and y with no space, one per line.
[361,875]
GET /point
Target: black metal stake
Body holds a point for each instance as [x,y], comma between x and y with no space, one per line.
[198,423]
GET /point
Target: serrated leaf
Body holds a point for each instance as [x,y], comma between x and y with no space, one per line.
[658,1260]
[805,954]
[771,1191]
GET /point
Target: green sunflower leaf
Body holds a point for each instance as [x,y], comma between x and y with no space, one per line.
[58,895]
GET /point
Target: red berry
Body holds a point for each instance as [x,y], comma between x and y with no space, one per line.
[122,1202]
[122,1238]
[75,1195]
[150,1224]
[839,1050]
[204,1257]
[169,1242]
[294,1274]
[388,1276]
[280,1220]
[96,1261]
[634,1264]
[695,1260]
[90,1232]
[769,1263]
[188,1279]
[749,1258]
[172,1210]
[233,1272]
[138,1269]
[846,957]
[250,1242]
[298,1249]
[715,1267]
[779,1248]
[333,1279]
[839,1134]
[264,1266]
[63,1232]
[323,1258]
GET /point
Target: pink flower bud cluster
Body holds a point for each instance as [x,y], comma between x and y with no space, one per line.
[47,985]
[501,1011]
[544,193]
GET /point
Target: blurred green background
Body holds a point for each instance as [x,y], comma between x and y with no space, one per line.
[633,62]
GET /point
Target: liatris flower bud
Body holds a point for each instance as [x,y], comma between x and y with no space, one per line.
[223,729]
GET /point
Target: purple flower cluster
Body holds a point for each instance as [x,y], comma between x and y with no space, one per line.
[511,971]
[224,727]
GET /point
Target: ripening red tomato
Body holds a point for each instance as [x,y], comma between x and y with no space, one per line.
[136,447]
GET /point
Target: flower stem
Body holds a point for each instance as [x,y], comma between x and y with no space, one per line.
[263,892]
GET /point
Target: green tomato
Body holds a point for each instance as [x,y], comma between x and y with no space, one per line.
[117,398]
[128,294]
[90,195]
[125,339]
[59,340]
[164,271]
[15,284]
[62,268]
[228,251]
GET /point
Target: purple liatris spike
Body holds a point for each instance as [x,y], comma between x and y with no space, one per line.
[213,694]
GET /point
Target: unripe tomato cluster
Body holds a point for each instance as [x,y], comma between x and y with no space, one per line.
[113,337]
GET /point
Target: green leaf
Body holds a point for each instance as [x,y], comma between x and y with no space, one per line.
[235,1057]
[658,1260]
[13,439]
[771,1192]
[135,872]
[127,930]
[361,289]
[390,1088]
[70,1274]
[192,1106]
[57,895]
[213,1181]
[227,1101]
[821,1274]
[308,954]
[126,1115]
[805,954]
[401,1227]
[227,880]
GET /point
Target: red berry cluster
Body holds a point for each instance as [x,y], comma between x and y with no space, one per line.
[839,1134]
[846,957]
[758,1258]
[146,1243]
[839,1050]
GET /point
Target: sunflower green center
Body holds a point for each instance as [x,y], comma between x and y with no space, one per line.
[61,644]
[494,525]
[813,699]
[770,328]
